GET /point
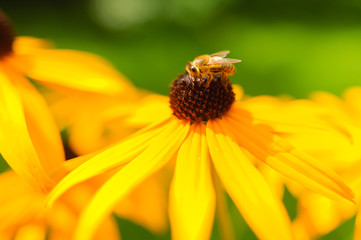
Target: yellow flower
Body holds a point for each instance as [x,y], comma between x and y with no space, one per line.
[316,214]
[24,212]
[24,216]
[31,144]
[94,122]
[209,131]
[25,120]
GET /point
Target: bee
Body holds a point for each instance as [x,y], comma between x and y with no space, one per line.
[211,65]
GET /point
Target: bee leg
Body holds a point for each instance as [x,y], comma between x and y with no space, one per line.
[224,81]
[209,80]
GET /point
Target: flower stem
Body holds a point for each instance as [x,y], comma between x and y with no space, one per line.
[222,212]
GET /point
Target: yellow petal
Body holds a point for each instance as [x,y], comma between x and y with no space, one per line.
[273,178]
[259,140]
[101,123]
[147,204]
[327,99]
[147,163]
[41,126]
[62,219]
[261,209]
[238,91]
[87,132]
[353,100]
[143,114]
[15,143]
[31,232]
[76,70]
[286,116]
[301,230]
[6,235]
[113,157]
[89,119]
[192,196]
[18,200]
[24,44]
[318,215]
[108,230]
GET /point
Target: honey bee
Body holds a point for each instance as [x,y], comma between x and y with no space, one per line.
[210,65]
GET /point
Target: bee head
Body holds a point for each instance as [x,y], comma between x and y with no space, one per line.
[192,69]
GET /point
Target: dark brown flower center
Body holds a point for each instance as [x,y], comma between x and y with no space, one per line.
[194,101]
[7,36]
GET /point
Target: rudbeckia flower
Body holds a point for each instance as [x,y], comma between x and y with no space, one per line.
[207,130]
[24,111]
[334,139]
[318,215]
[24,216]
[31,144]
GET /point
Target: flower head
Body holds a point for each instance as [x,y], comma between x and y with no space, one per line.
[192,100]
[207,130]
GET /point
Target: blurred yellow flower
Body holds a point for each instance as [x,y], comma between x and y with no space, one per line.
[317,215]
[25,120]
[210,123]
[31,144]
[24,216]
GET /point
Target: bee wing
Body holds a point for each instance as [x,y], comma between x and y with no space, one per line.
[220,54]
[232,60]
[221,60]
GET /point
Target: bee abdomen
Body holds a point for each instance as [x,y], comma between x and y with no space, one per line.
[226,68]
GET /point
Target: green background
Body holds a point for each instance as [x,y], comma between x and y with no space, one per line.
[287,46]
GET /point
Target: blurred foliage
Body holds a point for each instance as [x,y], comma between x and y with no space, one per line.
[344,231]
[3,164]
[287,46]
[131,231]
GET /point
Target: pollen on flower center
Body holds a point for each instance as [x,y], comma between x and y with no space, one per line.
[7,36]
[194,101]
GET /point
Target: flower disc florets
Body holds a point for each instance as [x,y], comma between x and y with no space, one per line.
[7,36]
[191,99]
